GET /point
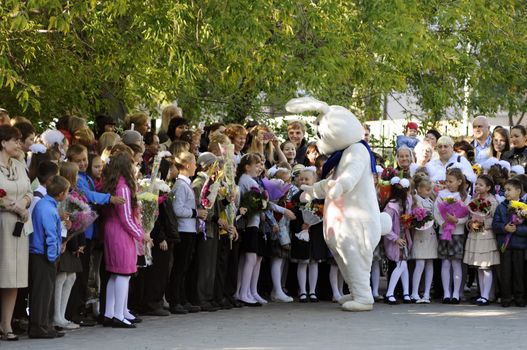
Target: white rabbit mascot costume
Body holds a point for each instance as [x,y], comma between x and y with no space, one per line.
[352,220]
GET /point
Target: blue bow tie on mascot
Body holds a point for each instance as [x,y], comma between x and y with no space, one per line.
[353,223]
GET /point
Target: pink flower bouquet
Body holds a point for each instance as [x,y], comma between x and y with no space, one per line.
[454,207]
[421,219]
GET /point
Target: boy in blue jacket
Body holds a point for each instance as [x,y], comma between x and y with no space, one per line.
[513,257]
[76,307]
[45,245]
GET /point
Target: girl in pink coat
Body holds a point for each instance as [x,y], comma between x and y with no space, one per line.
[121,229]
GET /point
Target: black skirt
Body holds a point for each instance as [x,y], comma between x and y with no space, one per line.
[69,262]
[252,241]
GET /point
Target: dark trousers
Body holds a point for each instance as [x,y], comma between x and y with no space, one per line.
[204,270]
[183,252]
[156,278]
[231,281]
[41,291]
[512,275]
[78,297]
[222,265]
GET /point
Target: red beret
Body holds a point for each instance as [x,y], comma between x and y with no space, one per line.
[412,125]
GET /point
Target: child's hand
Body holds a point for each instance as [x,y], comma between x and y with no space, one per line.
[64,215]
[289,214]
[401,242]
[116,200]
[305,226]
[222,223]
[202,213]
[233,232]
[62,248]
[452,218]
[243,211]
[163,246]
[510,228]
[276,229]
[286,247]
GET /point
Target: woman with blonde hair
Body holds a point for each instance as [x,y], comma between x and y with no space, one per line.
[264,142]
[140,121]
[168,113]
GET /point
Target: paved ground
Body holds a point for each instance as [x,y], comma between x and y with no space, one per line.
[310,326]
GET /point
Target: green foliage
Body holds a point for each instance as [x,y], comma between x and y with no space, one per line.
[217,57]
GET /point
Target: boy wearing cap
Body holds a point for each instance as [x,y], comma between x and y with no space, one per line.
[409,139]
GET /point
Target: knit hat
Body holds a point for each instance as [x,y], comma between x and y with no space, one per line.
[412,125]
[206,159]
[131,136]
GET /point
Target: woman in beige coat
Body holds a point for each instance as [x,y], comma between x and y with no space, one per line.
[16,196]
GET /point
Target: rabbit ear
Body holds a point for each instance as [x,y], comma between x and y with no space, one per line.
[306,104]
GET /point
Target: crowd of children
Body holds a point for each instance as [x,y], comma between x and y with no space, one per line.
[233,212]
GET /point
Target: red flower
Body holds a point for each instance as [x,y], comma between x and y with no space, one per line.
[2,193]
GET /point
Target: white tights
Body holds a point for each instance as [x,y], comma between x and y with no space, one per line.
[336,282]
[421,265]
[400,271]
[445,277]
[117,298]
[63,284]
[485,282]
[277,265]
[313,277]
[250,272]
[375,278]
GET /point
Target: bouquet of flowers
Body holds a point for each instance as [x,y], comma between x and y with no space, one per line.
[148,198]
[479,209]
[385,187]
[229,173]
[210,189]
[518,212]
[406,221]
[452,206]
[255,201]
[312,215]
[80,213]
[421,219]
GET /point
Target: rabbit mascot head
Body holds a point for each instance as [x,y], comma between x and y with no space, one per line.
[352,221]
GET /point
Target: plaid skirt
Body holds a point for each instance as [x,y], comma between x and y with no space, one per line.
[453,249]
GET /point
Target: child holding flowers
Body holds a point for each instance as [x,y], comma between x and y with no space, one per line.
[122,229]
[451,214]
[481,249]
[424,249]
[511,233]
[398,242]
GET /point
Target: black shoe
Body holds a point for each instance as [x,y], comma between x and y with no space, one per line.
[302,298]
[208,307]
[48,335]
[313,298]
[407,301]
[475,300]
[446,301]
[388,301]
[191,308]
[135,320]
[225,304]
[59,334]
[107,322]
[121,324]
[178,309]
[454,301]
[9,336]
[483,302]
[85,322]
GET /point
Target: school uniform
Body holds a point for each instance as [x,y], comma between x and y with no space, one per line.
[184,207]
[79,296]
[512,260]
[44,253]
